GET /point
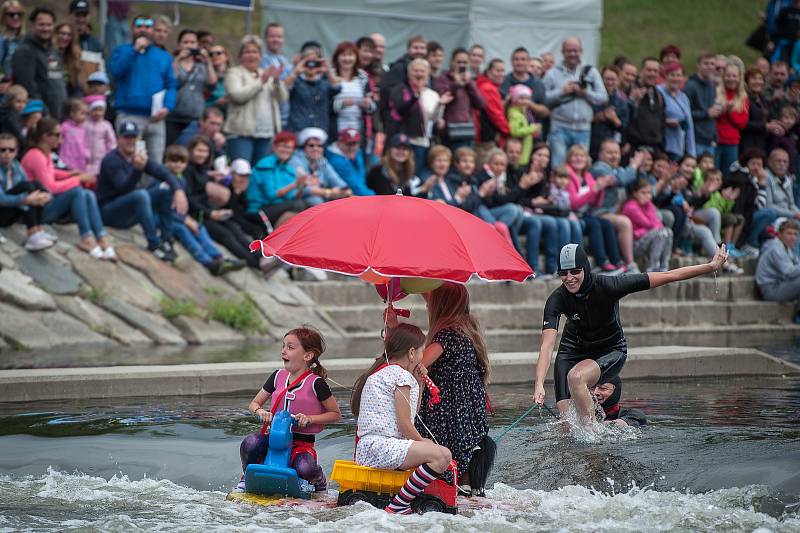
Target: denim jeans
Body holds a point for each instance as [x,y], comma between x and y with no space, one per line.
[725,155]
[252,149]
[602,240]
[761,219]
[569,231]
[81,205]
[536,227]
[562,138]
[147,207]
[199,245]
[154,134]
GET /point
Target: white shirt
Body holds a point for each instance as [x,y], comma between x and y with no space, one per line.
[377,414]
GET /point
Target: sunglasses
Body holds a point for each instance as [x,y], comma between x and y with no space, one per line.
[5,149]
[570,272]
[140,23]
[14,14]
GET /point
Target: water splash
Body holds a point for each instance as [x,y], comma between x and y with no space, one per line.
[597,432]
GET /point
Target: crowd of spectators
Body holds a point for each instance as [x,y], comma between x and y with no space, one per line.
[216,148]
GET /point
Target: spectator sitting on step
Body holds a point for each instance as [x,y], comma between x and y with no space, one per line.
[31,114]
[124,205]
[348,161]
[274,187]
[100,136]
[251,223]
[322,181]
[191,233]
[652,239]
[14,102]
[209,126]
[396,169]
[778,270]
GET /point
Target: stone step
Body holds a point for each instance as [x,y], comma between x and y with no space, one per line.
[357,292]
[356,318]
[368,343]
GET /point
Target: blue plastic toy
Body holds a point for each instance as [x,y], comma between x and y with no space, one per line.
[275,477]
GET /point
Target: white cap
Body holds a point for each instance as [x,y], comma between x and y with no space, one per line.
[241,167]
[311,133]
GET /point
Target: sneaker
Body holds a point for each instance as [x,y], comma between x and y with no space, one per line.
[610,270]
[732,268]
[165,252]
[96,252]
[239,486]
[750,251]
[38,241]
[622,266]
[733,251]
[109,254]
[632,268]
[52,235]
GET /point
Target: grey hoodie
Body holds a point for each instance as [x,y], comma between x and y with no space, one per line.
[776,264]
[569,111]
[779,195]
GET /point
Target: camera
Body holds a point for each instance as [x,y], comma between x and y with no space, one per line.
[313,63]
[462,69]
[194,52]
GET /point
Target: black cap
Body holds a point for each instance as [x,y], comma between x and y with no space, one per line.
[79,6]
[573,256]
[616,396]
[128,128]
[399,139]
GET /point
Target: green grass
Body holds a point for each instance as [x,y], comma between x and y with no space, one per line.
[240,314]
[639,28]
[172,308]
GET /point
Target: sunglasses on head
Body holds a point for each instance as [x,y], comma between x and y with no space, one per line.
[570,272]
[141,23]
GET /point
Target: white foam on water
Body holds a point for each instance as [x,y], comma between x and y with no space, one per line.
[59,500]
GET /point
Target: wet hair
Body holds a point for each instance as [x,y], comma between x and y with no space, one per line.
[176,152]
[448,308]
[399,340]
[311,340]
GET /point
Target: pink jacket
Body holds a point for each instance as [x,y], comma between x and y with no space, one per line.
[643,217]
[582,196]
[100,139]
[74,151]
[39,167]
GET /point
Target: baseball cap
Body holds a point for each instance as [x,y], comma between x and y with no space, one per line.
[350,135]
[241,167]
[128,128]
[79,6]
[98,77]
[399,139]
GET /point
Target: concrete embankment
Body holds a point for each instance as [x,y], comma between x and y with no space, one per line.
[670,362]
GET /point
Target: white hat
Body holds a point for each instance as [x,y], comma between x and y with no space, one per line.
[312,133]
[241,167]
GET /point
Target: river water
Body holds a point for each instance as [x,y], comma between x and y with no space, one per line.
[717,456]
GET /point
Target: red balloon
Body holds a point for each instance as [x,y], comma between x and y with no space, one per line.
[397,291]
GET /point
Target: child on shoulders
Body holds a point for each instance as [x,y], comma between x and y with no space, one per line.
[385,400]
[300,388]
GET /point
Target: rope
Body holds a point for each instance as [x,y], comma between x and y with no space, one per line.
[521,417]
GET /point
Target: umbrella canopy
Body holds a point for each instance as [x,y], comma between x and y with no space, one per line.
[379,237]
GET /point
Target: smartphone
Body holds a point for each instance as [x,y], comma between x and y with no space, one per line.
[141,146]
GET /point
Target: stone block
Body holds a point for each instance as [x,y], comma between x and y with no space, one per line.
[198,331]
[212,285]
[172,281]
[45,330]
[101,321]
[154,326]
[116,280]
[18,289]
[50,272]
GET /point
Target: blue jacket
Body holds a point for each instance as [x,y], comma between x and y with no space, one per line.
[17,176]
[268,176]
[310,104]
[118,177]
[328,178]
[138,77]
[352,171]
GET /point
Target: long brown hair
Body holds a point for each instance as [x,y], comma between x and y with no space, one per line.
[448,307]
[311,340]
[400,174]
[399,340]
[71,56]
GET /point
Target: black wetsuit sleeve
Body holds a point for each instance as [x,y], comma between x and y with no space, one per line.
[322,390]
[633,417]
[269,385]
[553,309]
[620,286]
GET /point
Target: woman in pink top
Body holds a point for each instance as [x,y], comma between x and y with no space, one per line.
[651,237]
[100,137]
[585,192]
[69,198]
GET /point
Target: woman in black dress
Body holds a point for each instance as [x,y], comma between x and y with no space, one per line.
[457,361]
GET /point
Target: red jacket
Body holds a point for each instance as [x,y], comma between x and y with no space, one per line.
[731,124]
[493,109]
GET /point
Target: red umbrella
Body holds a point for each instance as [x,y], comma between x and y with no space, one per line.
[379,237]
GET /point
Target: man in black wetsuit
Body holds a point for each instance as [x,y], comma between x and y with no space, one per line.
[593,348]
[608,396]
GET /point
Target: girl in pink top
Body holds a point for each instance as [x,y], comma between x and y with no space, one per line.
[585,192]
[69,198]
[100,137]
[74,151]
[651,237]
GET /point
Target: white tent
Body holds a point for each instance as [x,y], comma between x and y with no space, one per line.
[498,25]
